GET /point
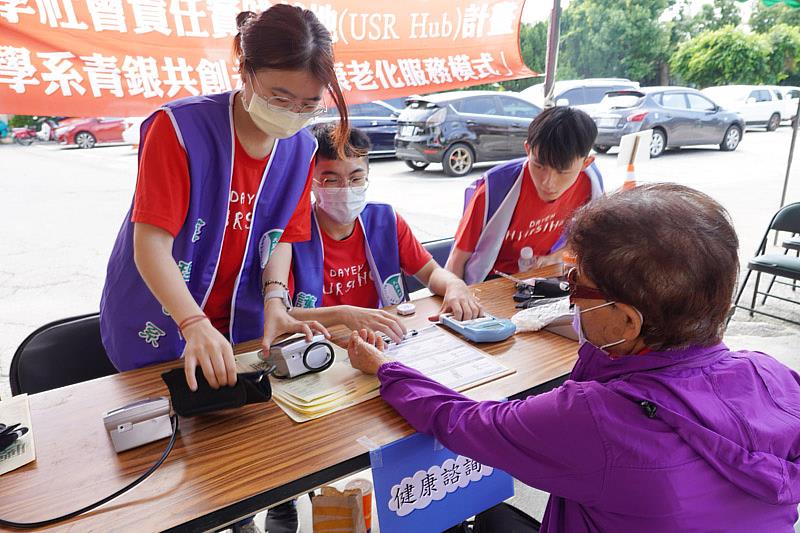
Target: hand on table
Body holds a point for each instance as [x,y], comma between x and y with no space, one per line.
[358,318]
[210,350]
[460,302]
[277,322]
[365,349]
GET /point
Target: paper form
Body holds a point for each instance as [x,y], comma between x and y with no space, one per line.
[434,352]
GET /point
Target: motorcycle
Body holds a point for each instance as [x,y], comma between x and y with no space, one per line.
[24,136]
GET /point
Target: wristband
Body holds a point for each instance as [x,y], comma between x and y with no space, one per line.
[273,282]
[194,319]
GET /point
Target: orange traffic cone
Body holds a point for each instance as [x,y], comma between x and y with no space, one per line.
[630,175]
[630,178]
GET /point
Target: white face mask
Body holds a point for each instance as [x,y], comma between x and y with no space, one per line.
[577,325]
[280,124]
[342,204]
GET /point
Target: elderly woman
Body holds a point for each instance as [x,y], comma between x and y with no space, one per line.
[661,427]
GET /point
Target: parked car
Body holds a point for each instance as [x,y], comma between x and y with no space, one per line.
[86,133]
[377,119]
[678,116]
[583,94]
[130,135]
[460,128]
[759,105]
[790,96]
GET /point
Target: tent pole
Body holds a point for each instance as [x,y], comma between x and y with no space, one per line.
[553,35]
[791,153]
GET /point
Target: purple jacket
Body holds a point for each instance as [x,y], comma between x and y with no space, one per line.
[698,439]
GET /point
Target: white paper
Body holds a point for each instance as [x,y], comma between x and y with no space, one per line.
[432,351]
[447,359]
[16,410]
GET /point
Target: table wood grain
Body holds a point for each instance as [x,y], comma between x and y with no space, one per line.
[228,457]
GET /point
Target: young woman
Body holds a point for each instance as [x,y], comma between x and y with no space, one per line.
[223,189]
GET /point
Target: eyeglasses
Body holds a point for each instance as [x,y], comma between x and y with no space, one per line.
[287,105]
[582,292]
[352,181]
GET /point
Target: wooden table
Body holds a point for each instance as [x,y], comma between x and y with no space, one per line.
[228,466]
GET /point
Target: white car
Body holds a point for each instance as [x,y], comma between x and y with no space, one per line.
[582,94]
[131,133]
[790,96]
[759,105]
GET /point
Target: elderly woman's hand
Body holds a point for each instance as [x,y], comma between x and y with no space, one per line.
[365,350]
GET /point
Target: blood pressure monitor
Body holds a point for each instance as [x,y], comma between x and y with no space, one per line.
[487,328]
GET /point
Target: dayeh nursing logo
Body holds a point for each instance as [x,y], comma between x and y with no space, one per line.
[267,244]
[392,290]
[305,300]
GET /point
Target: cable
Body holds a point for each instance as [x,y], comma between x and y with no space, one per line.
[43,523]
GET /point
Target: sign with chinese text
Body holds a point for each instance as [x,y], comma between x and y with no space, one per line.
[422,487]
[126,57]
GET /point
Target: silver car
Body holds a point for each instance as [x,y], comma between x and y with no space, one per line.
[678,116]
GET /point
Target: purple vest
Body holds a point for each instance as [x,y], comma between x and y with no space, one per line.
[136,330]
[379,224]
[503,184]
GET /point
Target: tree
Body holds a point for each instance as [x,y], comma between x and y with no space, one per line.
[723,57]
[784,50]
[765,18]
[533,45]
[717,15]
[604,38]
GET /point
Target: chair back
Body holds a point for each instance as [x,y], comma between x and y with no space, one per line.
[58,354]
[787,219]
[440,250]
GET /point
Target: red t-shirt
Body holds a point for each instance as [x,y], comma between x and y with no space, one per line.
[162,199]
[535,223]
[347,279]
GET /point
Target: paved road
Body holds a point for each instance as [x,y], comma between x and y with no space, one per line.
[60,210]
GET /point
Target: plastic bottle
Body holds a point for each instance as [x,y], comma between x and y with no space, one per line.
[526,260]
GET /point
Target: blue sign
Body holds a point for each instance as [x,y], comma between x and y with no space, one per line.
[422,487]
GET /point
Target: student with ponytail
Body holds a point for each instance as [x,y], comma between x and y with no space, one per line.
[223,189]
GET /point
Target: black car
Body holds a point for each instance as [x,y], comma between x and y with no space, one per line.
[460,128]
[377,119]
[678,116]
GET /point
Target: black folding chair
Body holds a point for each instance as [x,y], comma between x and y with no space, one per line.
[440,250]
[787,219]
[58,354]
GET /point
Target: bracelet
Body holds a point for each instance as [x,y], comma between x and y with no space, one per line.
[194,319]
[273,282]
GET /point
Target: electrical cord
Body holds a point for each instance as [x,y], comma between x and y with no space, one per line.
[43,523]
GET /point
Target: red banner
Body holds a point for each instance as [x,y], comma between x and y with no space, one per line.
[126,57]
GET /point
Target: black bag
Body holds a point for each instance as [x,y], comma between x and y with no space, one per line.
[251,387]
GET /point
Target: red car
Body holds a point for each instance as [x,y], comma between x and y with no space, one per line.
[87,132]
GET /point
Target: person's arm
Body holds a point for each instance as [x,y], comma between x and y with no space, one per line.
[457,261]
[458,298]
[205,346]
[469,231]
[277,320]
[161,202]
[354,318]
[550,441]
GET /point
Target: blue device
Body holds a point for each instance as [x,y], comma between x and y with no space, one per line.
[487,328]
